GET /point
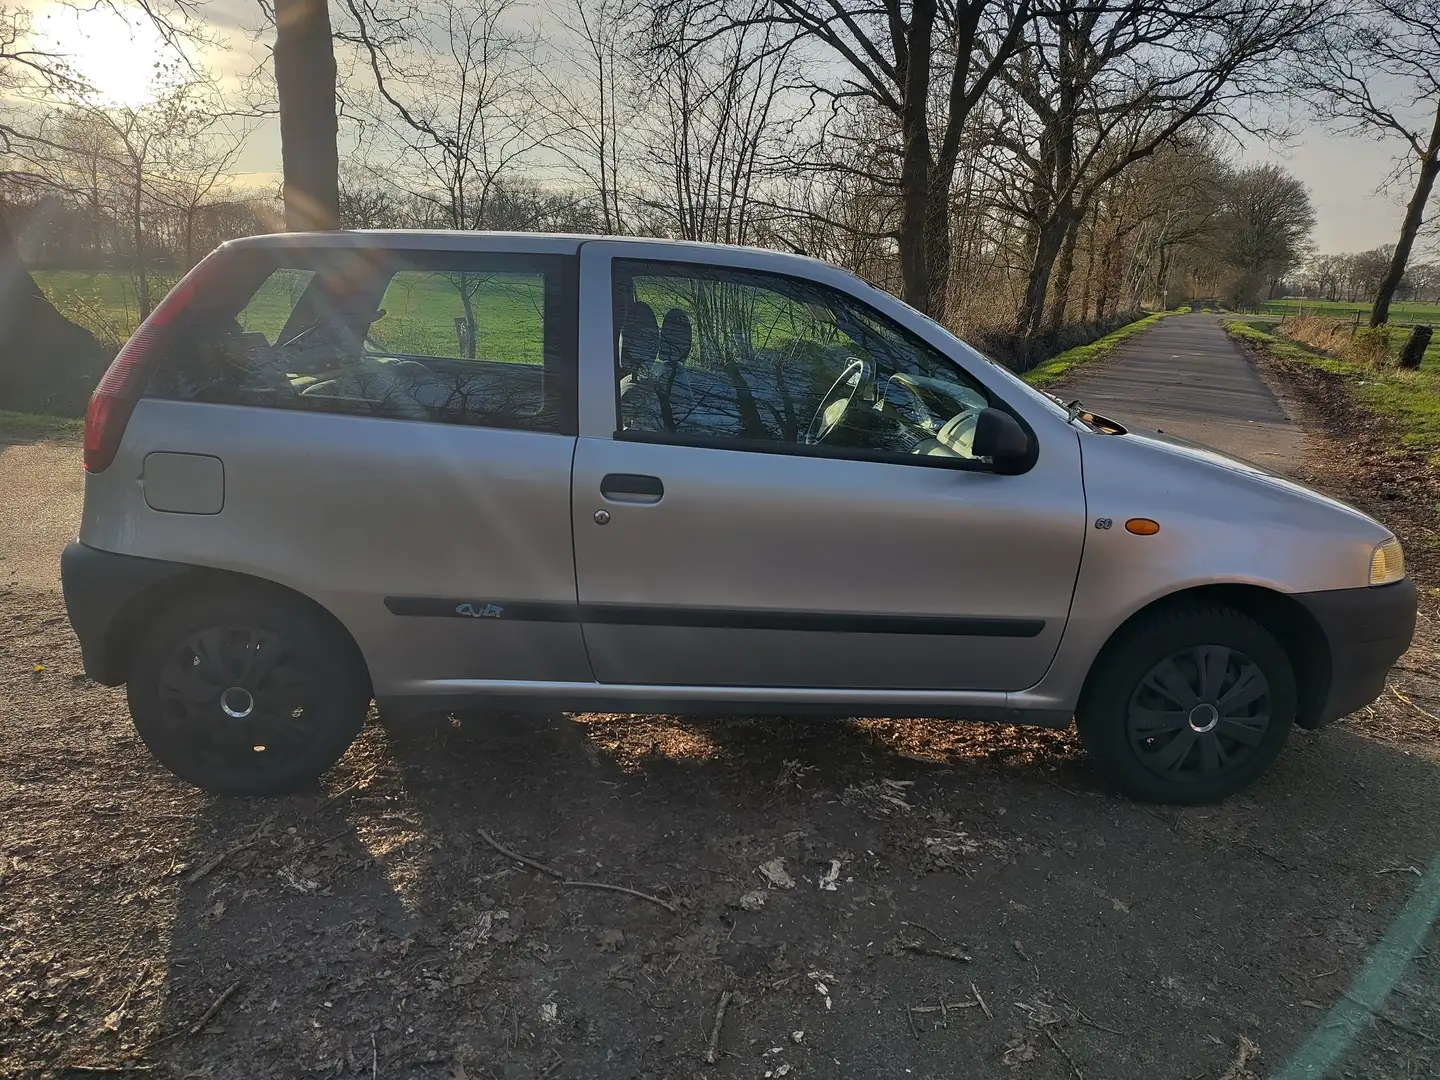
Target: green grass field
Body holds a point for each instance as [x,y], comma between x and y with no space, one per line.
[1402,313]
[105,303]
[420,310]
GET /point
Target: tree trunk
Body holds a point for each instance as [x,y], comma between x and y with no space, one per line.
[1064,271]
[190,236]
[1050,240]
[919,220]
[938,245]
[137,230]
[1089,276]
[305,85]
[915,220]
[1413,355]
[1414,215]
[47,363]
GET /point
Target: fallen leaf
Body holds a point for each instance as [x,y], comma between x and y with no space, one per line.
[775,873]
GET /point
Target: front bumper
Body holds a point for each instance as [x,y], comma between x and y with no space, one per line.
[1366,630]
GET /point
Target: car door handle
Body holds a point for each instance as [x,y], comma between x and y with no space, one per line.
[632,488]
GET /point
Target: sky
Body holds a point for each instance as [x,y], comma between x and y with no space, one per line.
[1343,174]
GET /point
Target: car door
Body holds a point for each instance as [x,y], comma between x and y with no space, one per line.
[392,427]
[772,488]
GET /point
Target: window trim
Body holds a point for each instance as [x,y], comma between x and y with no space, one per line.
[714,271]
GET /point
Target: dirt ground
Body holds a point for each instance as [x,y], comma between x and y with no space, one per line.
[876,898]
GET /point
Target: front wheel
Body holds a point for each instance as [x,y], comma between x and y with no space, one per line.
[246,694]
[1189,706]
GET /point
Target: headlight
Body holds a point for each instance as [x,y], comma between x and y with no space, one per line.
[1387,564]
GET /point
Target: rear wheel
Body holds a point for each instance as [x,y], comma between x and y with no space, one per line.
[1189,706]
[246,694]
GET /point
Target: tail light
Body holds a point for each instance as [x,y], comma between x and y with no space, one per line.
[124,381]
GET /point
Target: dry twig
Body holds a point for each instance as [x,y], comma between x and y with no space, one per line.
[1069,1060]
[983,1007]
[943,1007]
[570,882]
[910,1016]
[517,856]
[922,926]
[712,1051]
[199,1025]
[926,950]
[259,833]
[622,889]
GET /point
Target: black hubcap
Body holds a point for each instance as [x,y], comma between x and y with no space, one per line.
[1199,713]
[239,696]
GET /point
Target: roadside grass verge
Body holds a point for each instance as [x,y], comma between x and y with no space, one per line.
[1409,400]
[18,425]
[1059,367]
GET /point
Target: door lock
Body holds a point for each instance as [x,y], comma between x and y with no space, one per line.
[602,517]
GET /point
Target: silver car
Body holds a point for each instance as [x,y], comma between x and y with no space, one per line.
[447,470]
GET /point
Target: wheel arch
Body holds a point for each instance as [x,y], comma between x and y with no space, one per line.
[1283,616]
[128,625]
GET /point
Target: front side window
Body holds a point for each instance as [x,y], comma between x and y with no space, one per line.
[713,354]
[442,337]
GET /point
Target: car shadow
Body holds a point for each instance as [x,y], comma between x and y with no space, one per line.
[877,896]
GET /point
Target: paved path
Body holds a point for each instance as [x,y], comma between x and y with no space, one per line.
[1185,377]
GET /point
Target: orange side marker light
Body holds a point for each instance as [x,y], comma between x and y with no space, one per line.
[1142,526]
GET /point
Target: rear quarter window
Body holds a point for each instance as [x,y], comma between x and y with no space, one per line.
[437,337]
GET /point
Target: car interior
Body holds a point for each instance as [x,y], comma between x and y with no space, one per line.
[325,357]
[843,385]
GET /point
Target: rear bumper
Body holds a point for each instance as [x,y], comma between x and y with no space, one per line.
[1366,630]
[100,589]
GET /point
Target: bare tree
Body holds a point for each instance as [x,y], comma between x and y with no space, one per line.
[924,64]
[1107,84]
[455,82]
[1379,73]
[712,134]
[591,99]
[1265,228]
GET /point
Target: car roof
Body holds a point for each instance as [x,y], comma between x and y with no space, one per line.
[459,240]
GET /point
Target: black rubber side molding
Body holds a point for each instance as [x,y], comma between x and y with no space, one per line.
[714,618]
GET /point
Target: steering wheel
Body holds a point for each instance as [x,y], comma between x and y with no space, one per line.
[833,406]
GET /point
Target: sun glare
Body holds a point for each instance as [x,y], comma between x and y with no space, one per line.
[118,55]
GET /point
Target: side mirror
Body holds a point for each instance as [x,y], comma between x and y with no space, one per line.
[999,436]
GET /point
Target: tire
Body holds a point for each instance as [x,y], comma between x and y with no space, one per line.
[246,693]
[1188,706]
